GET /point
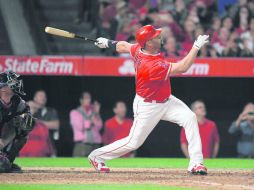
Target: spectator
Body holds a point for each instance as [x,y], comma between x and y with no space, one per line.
[175,28]
[87,11]
[213,31]
[193,15]
[198,31]
[38,143]
[233,10]
[251,6]
[118,126]
[134,4]
[220,43]
[47,116]
[166,5]
[208,132]
[121,17]
[107,12]
[227,22]
[183,18]
[231,49]
[242,20]
[211,51]
[86,123]
[143,16]
[205,10]
[124,31]
[170,47]
[189,28]
[248,37]
[180,13]
[243,127]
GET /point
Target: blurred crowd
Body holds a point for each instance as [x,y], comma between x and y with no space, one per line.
[90,132]
[230,23]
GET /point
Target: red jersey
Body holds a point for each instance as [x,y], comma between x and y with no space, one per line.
[115,131]
[209,136]
[38,143]
[152,74]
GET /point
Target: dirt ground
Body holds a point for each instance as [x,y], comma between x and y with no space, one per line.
[216,179]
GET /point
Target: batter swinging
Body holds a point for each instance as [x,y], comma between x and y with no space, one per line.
[153,101]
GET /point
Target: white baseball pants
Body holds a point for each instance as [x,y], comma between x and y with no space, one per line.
[146,117]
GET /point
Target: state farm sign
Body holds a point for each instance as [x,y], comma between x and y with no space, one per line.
[198,69]
[118,67]
[39,65]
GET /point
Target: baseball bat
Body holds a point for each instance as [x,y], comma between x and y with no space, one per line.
[66,34]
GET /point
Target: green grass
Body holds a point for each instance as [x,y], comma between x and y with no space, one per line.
[136,163]
[119,163]
[89,186]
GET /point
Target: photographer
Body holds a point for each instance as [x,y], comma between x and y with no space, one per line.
[243,127]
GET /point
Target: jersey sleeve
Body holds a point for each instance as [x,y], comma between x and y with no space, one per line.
[133,49]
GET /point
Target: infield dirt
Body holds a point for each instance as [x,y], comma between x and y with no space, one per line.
[216,179]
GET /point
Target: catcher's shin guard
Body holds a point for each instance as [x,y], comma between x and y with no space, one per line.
[5,164]
[16,146]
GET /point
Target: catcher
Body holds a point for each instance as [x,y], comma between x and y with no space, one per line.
[15,121]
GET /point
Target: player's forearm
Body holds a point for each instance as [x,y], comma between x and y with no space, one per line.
[188,60]
[123,47]
[118,46]
[216,150]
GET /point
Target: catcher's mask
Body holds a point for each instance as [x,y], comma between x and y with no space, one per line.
[12,80]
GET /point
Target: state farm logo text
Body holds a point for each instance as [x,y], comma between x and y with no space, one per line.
[37,66]
[198,69]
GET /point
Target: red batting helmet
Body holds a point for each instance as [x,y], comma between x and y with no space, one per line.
[146,33]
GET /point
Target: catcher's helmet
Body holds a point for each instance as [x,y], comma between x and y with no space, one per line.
[146,33]
[11,79]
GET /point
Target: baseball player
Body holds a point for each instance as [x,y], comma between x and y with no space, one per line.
[153,101]
[15,121]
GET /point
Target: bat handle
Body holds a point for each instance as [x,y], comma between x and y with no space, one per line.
[91,40]
[85,38]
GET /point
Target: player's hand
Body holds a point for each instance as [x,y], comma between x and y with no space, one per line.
[101,42]
[200,41]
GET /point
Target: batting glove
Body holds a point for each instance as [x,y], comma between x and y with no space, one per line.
[200,41]
[101,42]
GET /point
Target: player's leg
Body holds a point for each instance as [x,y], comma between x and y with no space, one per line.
[179,113]
[146,117]
[7,135]
[16,138]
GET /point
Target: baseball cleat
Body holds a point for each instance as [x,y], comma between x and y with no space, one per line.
[199,169]
[15,169]
[99,166]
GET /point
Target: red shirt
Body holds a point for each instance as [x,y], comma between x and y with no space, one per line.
[152,74]
[38,143]
[115,131]
[209,136]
